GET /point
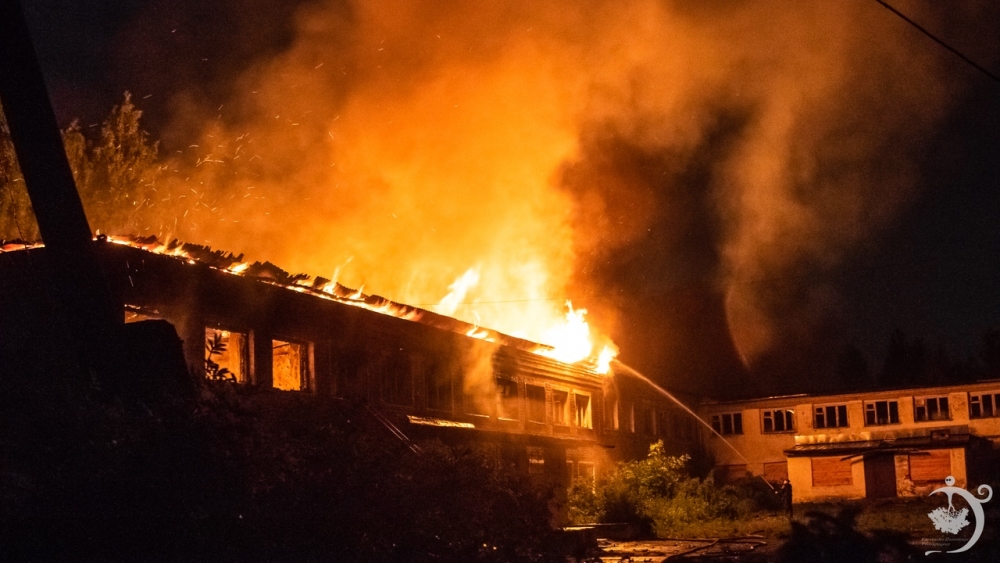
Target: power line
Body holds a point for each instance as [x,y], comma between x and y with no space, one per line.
[939,41]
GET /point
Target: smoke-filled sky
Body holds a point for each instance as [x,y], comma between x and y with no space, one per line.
[735,190]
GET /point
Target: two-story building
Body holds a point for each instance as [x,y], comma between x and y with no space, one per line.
[874,444]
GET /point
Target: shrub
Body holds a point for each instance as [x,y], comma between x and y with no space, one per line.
[659,494]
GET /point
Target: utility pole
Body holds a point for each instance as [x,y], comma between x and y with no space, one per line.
[79,284]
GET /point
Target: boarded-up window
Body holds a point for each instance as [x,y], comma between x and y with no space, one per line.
[730,473]
[831,472]
[930,467]
[776,472]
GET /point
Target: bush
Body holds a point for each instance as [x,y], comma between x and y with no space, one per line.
[659,495]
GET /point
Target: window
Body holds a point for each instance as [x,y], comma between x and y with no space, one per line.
[582,473]
[437,385]
[984,405]
[560,404]
[397,378]
[536,402]
[661,422]
[878,413]
[782,420]
[612,413]
[831,416]
[289,366]
[728,423]
[931,408]
[631,418]
[227,355]
[536,459]
[730,473]
[831,472]
[930,466]
[583,414]
[508,400]
[775,471]
[649,421]
[682,426]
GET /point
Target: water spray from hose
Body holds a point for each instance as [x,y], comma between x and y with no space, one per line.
[631,371]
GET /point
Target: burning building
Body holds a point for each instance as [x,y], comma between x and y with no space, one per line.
[423,375]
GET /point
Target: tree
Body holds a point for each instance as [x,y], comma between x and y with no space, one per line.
[17,219]
[114,174]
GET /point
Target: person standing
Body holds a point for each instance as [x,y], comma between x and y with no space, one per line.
[786,496]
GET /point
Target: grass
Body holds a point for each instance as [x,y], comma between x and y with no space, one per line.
[905,516]
[767,524]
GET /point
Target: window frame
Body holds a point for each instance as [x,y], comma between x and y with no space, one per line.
[586,419]
[892,411]
[533,405]
[245,375]
[922,408]
[787,418]
[560,415]
[977,400]
[305,363]
[841,412]
[507,403]
[728,423]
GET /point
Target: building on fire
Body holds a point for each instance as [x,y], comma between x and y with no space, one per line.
[425,375]
[422,374]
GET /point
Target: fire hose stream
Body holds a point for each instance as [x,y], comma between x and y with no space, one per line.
[670,396]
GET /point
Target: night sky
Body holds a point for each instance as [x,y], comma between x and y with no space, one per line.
[928,265]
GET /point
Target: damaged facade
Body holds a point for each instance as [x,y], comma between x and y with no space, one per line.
[877,444]
[427,376]
[422,374]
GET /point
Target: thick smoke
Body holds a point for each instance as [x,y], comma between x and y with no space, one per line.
[702,159]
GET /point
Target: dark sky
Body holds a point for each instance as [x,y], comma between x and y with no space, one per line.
[931,269]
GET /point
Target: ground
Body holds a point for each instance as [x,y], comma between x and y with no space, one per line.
[760,539]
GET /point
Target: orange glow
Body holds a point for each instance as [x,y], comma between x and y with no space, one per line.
[567,339]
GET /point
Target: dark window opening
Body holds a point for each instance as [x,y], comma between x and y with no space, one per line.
[779,421]
[397,379]
[879,413]
[508,399]
[831,416]
[728,423]
[560,406]
[931,408]
[984,406]
[536,402]
[437,383]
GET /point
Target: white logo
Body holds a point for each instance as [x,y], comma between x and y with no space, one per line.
[951,521]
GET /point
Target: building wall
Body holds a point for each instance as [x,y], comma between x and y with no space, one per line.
[758,450]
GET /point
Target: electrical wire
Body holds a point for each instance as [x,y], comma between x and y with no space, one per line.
[939,41]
